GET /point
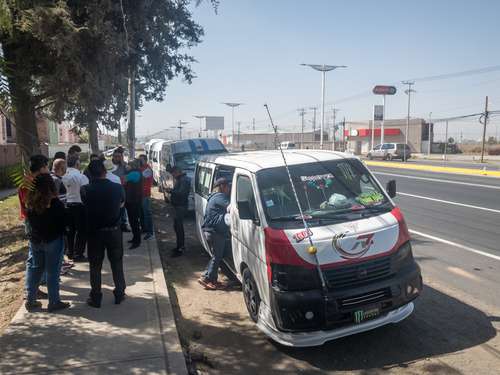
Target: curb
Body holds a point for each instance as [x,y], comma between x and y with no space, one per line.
[174,356]
[435,168]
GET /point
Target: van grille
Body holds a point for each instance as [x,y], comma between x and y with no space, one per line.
[358,274]
[364,299]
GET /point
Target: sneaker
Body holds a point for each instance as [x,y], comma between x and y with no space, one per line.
[207,284]
[80,259]
[68,265]
[134,246]
[32,306]
[125,228]
[41,295]
[148,236]
[119,298]
[58,306]
[176,253]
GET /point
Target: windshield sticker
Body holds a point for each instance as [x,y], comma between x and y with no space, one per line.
[269,203]
[302,235]
[371,198]
[316,177]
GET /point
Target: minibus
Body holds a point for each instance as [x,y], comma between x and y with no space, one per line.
[157,158]
[184,154]
[349,269]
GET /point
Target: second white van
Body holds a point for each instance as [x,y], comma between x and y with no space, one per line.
[352,268]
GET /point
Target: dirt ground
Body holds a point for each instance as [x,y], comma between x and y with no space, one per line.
[13,252]
[219,337]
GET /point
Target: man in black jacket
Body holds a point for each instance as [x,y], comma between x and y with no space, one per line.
[102,200]
[179,199]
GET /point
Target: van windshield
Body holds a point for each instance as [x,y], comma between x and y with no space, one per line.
[186,161]
[330,191]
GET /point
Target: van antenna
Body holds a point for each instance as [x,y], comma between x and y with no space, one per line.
[312,249]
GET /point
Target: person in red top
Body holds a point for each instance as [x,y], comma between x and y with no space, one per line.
[38,164]
[147,182]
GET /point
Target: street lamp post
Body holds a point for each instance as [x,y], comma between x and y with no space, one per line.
[199,117]
[323,69]
[408,92]
[180,127]
[430,124]
[232,105]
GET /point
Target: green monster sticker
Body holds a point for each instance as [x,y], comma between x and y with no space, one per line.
[371,198]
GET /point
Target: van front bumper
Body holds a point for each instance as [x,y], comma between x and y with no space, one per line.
[307,318]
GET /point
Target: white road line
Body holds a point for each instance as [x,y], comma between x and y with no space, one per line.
[449,202]
[438,180]
[463,247]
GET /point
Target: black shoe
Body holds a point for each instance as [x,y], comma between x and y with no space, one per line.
[93,303]
[130,241]
[80,259]
[134,245]
[119,298]
[58,306]
[32,306]
[41,295]
[177,253]
[125,228]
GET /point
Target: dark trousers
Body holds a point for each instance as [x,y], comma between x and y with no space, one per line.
[134,215]
[218,244]
[179,215]
[76,229]
[99,243]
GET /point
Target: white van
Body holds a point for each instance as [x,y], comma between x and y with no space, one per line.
[184,154]
[148,147]
[157,158]
[363,275]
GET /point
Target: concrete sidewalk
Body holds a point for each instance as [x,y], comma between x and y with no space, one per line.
[137,337]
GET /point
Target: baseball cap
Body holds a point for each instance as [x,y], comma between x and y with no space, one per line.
[108,164]
[221,181]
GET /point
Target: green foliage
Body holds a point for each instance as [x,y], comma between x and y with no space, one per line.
[18,176]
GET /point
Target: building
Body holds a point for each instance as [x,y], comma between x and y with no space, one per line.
[7,131]
[359,134]
[267,140]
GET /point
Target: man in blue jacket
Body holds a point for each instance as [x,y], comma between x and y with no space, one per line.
[179,199]
[216,231]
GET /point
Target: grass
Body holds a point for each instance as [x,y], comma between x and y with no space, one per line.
[13,253]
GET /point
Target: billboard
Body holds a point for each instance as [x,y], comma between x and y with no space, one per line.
[384,90]
[214,122]
[378,112]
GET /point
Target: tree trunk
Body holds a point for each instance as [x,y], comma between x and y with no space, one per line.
[93,138]
[22,102]
[131,113]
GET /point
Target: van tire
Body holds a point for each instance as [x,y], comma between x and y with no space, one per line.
[251,295]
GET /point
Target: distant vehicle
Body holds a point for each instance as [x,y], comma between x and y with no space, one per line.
[390,151]
[148,147]
[287,145]
[157,159]
[364,253]
[184,154]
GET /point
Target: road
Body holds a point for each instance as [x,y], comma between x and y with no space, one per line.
[455,227]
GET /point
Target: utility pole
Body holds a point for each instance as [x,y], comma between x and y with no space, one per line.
[430,126]
[232,105]
[180,127]
[302,112]
[314,122]
[484,120]
[239,125]
[253,124]
[446,141]
[334,110]
[343,136]
[408,92]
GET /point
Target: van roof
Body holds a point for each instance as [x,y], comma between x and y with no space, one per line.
[257,160]
[198,145]
[158,145]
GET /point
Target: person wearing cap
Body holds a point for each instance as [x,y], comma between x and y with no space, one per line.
[110,167]
[146,215]
[179,200]
[216,231]
[103,200]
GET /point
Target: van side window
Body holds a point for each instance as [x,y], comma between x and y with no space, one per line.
[377,147]
[244,192]
[223,171]
[202,181]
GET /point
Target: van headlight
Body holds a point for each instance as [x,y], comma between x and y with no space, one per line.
[294,278]
[403,256]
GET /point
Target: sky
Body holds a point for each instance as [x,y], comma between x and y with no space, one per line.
[252,50]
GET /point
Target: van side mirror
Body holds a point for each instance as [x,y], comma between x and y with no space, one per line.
[246,212]
[391,188]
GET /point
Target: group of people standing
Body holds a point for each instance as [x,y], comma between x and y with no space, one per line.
[67,211]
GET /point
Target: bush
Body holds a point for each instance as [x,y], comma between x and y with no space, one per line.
[494,150]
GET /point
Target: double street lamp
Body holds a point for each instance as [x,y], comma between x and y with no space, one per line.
[232,105]
[323,69]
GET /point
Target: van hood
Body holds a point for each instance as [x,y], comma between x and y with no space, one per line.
[339,243]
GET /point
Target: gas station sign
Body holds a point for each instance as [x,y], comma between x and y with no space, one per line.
[384,90]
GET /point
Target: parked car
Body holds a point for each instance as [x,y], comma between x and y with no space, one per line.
[390,151]
[350,271]
[287,145]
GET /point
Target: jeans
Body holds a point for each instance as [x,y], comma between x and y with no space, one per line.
[134,214]
[123,216]
[146,217]
[77,228]
[217,243]
[179,215]
[99,243]
[45,256]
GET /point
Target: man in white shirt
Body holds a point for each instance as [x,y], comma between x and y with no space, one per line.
[73,180]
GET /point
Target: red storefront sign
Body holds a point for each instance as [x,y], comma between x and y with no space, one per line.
[368,132]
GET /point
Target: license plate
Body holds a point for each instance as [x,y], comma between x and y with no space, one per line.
[366,314]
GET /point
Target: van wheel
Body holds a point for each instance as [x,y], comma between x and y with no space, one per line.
[251,295]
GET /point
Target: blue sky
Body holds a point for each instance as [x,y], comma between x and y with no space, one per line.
[251,53]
